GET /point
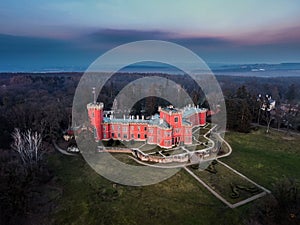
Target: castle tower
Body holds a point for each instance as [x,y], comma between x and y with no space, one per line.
[202,117]
[95,113]
[173,117]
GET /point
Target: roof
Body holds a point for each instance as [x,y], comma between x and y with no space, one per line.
[186,123]
[125,121]
[155,121]
[170,109]
[188,111]
[160,123]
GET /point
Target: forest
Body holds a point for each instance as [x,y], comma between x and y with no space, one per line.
[42,104]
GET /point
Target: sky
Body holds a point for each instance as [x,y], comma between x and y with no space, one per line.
[64,33]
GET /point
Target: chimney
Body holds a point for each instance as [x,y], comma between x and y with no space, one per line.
[124,117]
[137,117]
[143,117]
[161,121]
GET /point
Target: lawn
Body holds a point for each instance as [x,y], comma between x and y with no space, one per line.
[222,180]
[89,198]
[263,157]
[147,148]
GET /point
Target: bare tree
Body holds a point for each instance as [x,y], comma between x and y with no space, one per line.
[267,105]
[29,147]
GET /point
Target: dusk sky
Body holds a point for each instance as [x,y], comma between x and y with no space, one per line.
[67,33]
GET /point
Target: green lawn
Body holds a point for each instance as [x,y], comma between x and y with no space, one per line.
[151,148]
[264,158]
[89,198]
[222,180]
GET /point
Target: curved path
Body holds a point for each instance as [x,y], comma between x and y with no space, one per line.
[62,150]
[189,164]
[164,166]
[228,145]
[275,129]
[160,165]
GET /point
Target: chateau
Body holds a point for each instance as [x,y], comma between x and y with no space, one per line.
[170,128]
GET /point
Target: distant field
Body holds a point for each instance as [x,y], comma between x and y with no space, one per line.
[89,198]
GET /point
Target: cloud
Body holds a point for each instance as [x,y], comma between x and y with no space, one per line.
[270,36]
[112,37]
[269,46]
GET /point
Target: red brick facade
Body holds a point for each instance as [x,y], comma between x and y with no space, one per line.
[172,126]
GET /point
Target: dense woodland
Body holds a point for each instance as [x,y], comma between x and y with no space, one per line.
[43,104]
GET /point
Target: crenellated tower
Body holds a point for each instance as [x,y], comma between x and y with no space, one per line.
[95,113]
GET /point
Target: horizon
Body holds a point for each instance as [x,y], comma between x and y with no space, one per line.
[63,34]
[218,69]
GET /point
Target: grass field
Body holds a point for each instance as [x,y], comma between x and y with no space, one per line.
[223,179]
[89,198]
[264,157]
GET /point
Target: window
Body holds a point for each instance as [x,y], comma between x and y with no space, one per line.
[139,128]
[139,136]
[104,128]
[119,127]
[125,136]
[104,135]
[119,135]
[113,135]
[145,128]
[132,135]
[145,135]
[176,119]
